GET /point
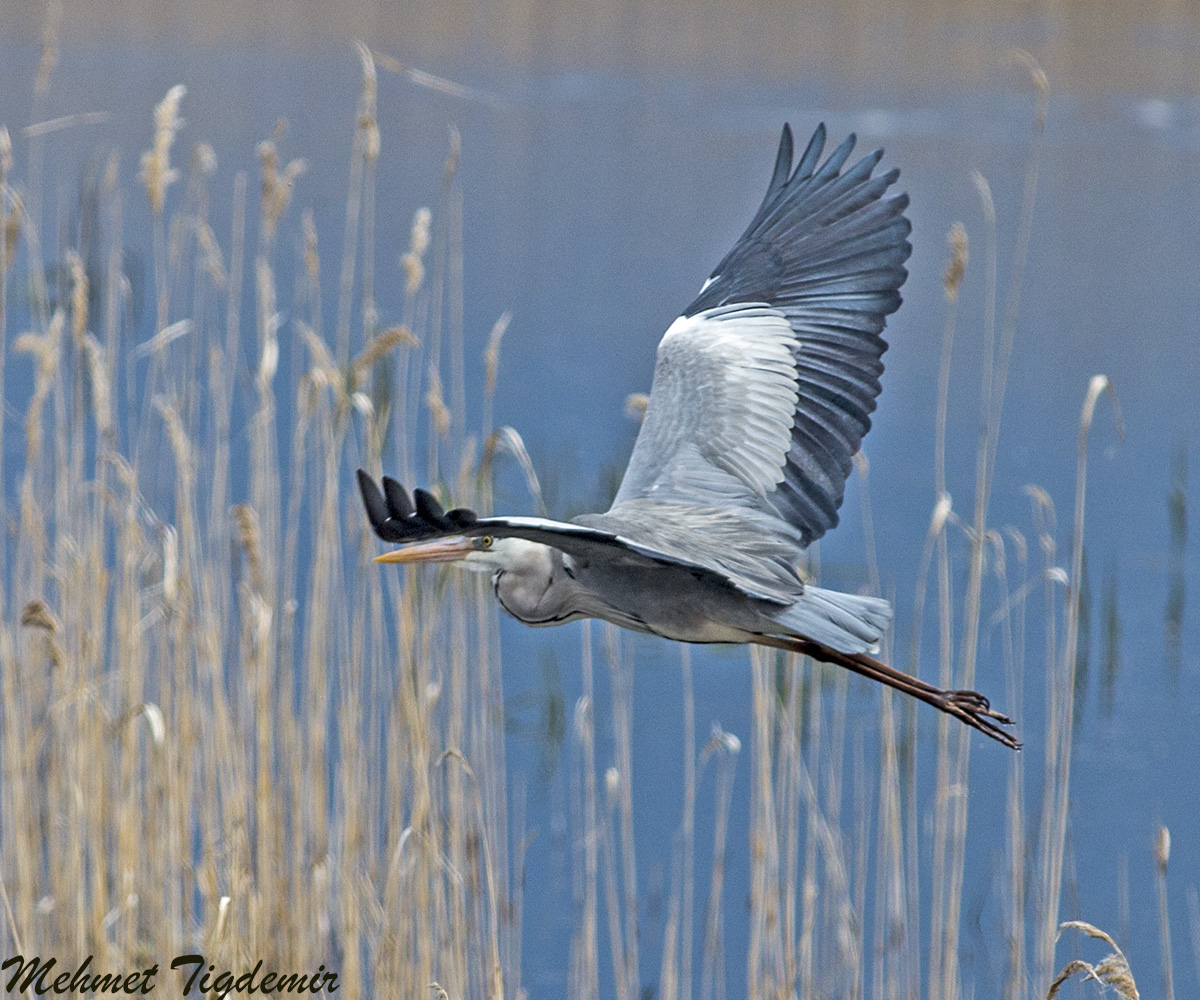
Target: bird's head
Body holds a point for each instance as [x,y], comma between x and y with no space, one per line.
[484,553]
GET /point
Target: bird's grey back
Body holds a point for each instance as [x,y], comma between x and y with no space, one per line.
[737,542]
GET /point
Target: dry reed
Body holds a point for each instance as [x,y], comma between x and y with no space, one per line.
[239,755]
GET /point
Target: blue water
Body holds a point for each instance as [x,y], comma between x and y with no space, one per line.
[596,201]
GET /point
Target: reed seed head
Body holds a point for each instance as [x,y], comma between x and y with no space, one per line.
[436,402]
[413,262]
[1162,849]
[222,913]
[49,60]
[246,523]
[204,159]
[36,614]
[612,785]
[491,356]
[312,260]
[419,238]
[269,363]
[362,403]
[154,719]
[181,447]
[452,156]
[380,346]
[956,266]
[12,228]
[276,185]
[112,174]
[101,391]
[46,350]
[1020,545]
[367,103]
[1041,84]
[79,299]
[210,253]
[1113,970]
[170,565]
[157,174]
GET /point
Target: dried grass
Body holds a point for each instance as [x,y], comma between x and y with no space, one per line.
[1112,970]
[157,173]
[282,796]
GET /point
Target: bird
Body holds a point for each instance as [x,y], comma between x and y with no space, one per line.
[761,395]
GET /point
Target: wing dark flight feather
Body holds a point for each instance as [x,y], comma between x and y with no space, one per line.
[826,249]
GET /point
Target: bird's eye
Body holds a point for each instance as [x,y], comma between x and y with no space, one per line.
[486,541]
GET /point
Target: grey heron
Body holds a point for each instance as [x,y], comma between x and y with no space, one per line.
[762,393]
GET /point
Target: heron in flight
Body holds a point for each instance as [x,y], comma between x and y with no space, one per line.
[762,392]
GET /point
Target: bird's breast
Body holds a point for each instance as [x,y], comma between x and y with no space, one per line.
[670,602]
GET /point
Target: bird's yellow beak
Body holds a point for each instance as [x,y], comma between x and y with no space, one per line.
[441,550]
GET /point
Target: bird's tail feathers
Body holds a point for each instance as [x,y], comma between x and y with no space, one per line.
[847,623]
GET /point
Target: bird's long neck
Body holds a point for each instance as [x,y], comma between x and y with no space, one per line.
[539,590]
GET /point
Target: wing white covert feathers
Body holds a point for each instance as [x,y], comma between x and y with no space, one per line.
[764,387]
[722,401]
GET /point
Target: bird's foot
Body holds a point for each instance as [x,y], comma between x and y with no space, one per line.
[976,711]
[975,702]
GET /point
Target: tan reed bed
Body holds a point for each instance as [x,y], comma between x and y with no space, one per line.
[224,730]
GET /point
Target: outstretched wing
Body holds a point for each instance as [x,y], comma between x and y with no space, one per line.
[764,387]
[397,518]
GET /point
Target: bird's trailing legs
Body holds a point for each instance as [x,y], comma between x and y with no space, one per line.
[969,707]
